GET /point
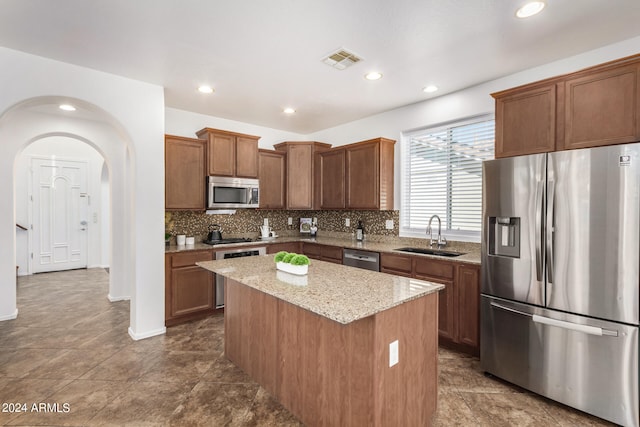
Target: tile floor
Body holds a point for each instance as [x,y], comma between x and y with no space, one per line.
[70,345]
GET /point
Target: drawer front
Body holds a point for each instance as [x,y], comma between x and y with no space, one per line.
[332,253]
[424,267]
[311,250]
[397,263]
[190,258]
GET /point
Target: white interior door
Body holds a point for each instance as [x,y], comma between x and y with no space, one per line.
[59,214]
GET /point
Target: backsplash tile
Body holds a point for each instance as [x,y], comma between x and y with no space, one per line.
[247,222]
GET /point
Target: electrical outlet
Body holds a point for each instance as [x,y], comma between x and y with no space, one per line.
[95,217]
[388,224]
[347,222]
[394,356]
[290,221]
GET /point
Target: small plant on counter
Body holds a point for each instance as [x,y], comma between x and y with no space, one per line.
[292,263]
[299,260]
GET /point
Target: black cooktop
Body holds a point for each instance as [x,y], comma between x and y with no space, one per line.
[227,241]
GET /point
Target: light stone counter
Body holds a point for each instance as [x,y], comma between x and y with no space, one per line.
[471,251]
[340,293]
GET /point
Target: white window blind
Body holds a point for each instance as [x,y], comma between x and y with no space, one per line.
[442,175]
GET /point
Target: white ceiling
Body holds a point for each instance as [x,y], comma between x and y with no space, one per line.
[264,55]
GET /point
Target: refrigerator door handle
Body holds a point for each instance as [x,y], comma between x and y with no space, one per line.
[591,330]
[549,229]
[538,238]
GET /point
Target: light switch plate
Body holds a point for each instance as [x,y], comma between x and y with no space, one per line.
[290,221]
[388,224]
[394,355]
[347,222]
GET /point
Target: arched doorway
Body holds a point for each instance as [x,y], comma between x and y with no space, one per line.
[38,119]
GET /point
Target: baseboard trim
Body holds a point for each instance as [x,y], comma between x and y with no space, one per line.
[114,299]
[149,334]
[10,316]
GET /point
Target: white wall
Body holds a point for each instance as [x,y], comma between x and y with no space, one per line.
[185,123]
[126,125]
[70,149]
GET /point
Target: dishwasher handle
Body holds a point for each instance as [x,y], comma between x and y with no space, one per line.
[365,258]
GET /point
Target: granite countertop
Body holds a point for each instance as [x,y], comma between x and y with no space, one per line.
[340,293]
[388,245]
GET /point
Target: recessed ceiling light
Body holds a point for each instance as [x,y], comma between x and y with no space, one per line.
[205,89]
[430,89]
[67,107]
[374,75]
[288,110]
[530,9]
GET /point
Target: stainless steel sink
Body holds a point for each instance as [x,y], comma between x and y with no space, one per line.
[429,251]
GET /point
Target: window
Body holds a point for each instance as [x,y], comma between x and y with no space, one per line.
[442,175]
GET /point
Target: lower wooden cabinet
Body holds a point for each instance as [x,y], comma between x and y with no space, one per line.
[323,252]
[274,248]
[458,302]
[189,289]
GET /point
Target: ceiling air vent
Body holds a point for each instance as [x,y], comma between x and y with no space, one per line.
[341,59]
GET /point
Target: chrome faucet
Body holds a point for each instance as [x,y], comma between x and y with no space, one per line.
[441,240]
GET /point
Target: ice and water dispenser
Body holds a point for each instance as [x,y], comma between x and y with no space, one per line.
[504,236]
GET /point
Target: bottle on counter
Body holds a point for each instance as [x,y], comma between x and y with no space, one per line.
[314,227]
[360,232]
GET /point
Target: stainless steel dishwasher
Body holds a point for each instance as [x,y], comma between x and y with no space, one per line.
[361,259]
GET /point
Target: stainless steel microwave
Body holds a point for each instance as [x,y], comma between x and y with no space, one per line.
[225,192]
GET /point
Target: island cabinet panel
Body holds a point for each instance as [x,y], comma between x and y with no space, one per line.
[396,264]
[184,162]
[602,108]
[328,373]
[250,323]
[272,175]
[189,289]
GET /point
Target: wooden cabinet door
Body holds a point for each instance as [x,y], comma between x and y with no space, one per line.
[272,179]
[222,155]
[331,254]
[399,265]
[246,157]
[525,121]
[468,287]
[602,108]
[363,176]
[184,160]
[285,246]
[192,291]
[441,272]
[311,250]
[332,179]
[300,176]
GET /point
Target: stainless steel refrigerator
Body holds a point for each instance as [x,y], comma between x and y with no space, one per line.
[560,277]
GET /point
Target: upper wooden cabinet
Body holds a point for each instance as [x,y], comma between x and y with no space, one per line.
[272,177]
[331,169]
[589,108]
[184,162]
[369,174]
[230,153]
[302,189]
[526,121]
[602,108]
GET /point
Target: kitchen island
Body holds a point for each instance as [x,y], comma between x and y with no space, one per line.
[322,344]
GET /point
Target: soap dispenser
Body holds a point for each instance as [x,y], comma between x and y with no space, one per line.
[360,232]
